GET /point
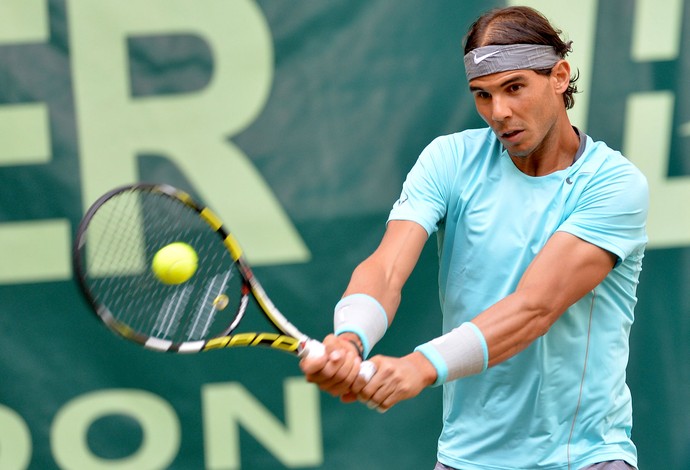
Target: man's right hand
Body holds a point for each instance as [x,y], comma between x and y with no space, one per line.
[336,372]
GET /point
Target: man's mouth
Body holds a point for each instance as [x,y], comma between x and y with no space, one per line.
[510,134]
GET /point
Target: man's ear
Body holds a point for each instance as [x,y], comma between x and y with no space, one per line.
[561,75]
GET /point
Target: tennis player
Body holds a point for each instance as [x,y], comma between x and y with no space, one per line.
[541,234]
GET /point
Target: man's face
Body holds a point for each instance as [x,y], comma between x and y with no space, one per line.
[521,106]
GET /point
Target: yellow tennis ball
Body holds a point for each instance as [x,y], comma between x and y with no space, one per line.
[175,263]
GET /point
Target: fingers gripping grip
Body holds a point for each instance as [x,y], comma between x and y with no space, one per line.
[314,349]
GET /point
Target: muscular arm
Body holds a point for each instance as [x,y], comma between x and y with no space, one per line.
[382,276]
[384,273]
[564,271]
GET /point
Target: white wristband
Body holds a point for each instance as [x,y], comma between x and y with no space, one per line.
[458,353]
[362,315]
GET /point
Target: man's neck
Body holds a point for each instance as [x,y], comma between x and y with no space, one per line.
[556,152]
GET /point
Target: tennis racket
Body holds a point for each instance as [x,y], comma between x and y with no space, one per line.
[113,253]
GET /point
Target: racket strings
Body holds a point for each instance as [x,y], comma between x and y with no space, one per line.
[121,239]
[208,305]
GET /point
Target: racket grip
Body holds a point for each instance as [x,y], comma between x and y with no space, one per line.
[367,370]
[314,349]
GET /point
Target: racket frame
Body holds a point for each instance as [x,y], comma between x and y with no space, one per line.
[288,339]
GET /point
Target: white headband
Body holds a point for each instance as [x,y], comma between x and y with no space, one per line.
[486,60]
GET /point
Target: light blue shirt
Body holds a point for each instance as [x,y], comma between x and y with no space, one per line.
[564,398]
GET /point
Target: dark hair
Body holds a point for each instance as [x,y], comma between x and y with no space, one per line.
[520,25]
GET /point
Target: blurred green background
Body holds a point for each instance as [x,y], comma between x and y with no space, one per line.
[296,121]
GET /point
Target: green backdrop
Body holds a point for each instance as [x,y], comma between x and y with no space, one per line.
[297,121]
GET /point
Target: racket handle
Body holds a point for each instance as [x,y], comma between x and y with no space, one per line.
[316,349]
[367,370]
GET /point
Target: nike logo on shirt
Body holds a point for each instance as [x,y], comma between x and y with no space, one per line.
[482,57]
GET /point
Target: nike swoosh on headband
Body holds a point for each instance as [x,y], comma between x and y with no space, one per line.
[480,58]
[514,57]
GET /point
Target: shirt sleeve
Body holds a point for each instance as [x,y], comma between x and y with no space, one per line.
[611,212]
[424,194]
